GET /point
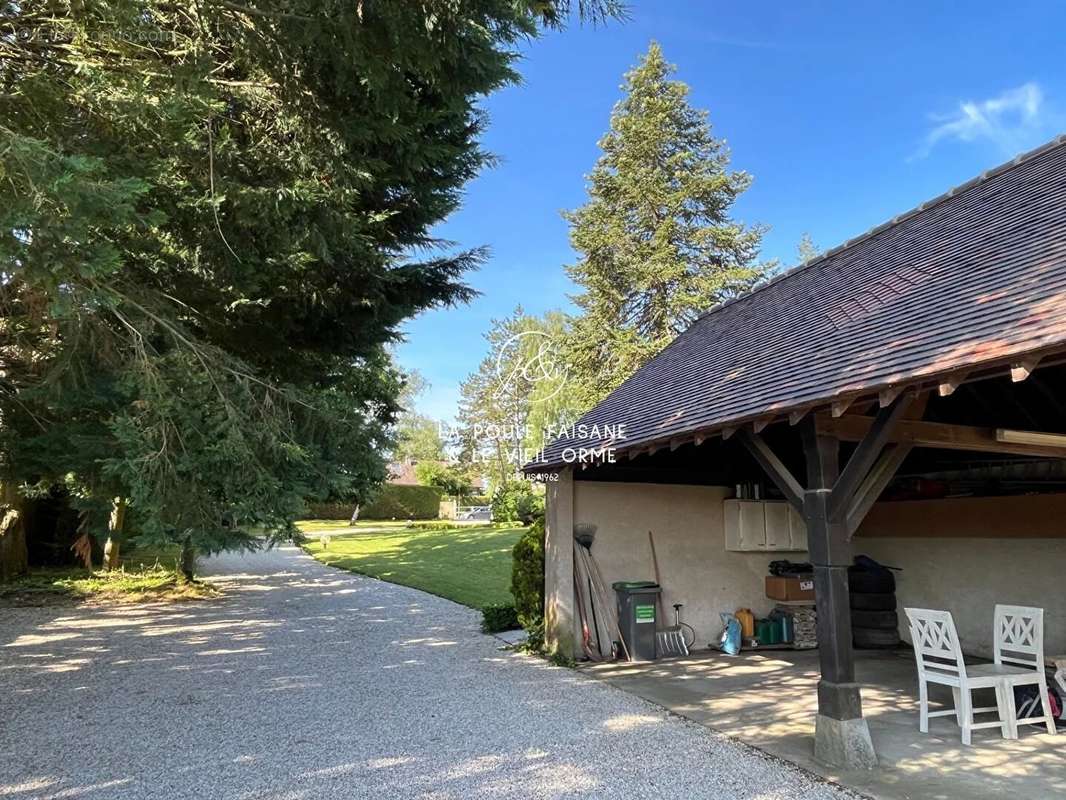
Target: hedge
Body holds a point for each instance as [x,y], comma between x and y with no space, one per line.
[527,579]
[498,618]
[394,501]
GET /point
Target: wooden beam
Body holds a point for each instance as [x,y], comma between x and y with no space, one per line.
[796,417]
[727,433]
[1031,437]
[870,446]
[760,424]
[1021,370]
[773,467]
[700,438]
[880,475]
[675,443]
[940,435]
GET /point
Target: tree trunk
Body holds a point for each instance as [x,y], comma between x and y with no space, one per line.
[14,560]
[115,527]
[187,564]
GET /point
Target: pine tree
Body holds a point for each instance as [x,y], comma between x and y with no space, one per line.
[807,249]
[657,243]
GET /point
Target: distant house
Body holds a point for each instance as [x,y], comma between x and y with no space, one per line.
[402,473]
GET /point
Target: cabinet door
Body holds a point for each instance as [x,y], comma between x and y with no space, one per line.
[797,529]
[731,510]
[752,525]
[778,536]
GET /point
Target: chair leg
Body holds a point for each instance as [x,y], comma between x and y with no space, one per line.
[957,697]
[1012,709]
[1045,703]
[923,706]
[964,711]
[1006,728]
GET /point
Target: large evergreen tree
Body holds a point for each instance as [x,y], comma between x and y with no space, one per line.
[214,217]
[656,239]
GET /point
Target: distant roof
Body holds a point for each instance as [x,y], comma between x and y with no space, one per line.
[974,277]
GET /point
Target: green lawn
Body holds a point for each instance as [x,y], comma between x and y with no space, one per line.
[470,565]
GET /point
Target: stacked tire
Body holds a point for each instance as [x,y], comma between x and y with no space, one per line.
[874,620]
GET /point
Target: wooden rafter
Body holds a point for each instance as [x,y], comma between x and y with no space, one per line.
[1031,438]
[840,407]
[948,385]
[852,428]
[1020,370]
[887,397]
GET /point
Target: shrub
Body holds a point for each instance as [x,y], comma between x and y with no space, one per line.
[527,579]
[517,502]
[498,617]
[394,501]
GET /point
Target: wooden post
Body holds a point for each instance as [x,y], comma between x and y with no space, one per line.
[834,503]
[842,737]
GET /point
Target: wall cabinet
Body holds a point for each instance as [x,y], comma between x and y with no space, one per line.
[763,526]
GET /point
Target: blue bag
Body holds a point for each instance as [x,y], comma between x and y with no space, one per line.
[729,639]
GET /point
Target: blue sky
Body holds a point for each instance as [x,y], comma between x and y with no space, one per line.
[845,114]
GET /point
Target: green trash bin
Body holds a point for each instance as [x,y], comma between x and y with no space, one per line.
[637,603]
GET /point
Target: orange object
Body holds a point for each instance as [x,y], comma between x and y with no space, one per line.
[747,622]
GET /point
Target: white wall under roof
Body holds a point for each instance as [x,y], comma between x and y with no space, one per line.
[966,576]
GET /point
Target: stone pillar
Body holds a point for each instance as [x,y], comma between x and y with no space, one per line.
[560,618]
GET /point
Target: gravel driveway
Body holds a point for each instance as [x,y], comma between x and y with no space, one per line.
[308,682]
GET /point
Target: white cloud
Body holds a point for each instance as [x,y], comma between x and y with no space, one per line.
[1013,121]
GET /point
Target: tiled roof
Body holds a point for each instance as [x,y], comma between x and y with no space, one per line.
[973,278]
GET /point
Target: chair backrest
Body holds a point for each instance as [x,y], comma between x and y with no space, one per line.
[936,642]
[1019,636]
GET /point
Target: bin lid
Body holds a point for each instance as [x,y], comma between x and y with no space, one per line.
[628,586]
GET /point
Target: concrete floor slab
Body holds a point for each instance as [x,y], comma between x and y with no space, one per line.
[768,700]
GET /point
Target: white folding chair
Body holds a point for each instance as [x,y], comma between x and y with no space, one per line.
[940,660]
[1019,660]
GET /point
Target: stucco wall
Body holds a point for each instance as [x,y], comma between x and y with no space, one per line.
[965,575]
[968,576]
[694,565]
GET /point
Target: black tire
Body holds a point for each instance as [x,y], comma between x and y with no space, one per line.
[873,639]
[864,581]
[877,620]
[874,601]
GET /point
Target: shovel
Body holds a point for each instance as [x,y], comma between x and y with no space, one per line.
[668,641]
